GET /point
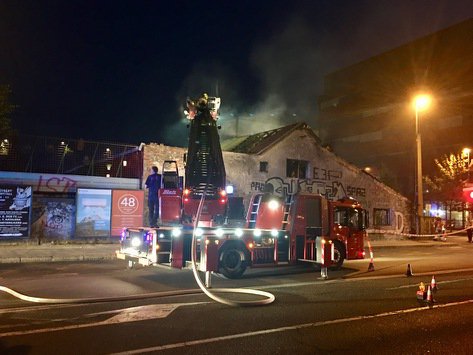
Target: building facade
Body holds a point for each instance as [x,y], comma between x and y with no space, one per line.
[291,159]
[366,111]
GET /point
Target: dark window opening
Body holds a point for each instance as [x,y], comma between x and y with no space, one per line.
[381,217]
[296,168]
[263,166]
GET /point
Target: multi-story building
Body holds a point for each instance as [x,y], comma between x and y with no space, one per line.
[366,111]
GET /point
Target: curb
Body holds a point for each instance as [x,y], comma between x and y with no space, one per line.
[52,259]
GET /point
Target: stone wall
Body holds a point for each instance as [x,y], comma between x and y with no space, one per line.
[326,174]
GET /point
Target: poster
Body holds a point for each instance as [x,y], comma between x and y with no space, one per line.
[15,211]
[127,210]
[53,217]
[93,212]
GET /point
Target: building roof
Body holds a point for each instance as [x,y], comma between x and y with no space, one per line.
[260,142]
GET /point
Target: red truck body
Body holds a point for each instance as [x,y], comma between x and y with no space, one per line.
[276,234]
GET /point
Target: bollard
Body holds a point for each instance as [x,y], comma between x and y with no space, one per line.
[208,279]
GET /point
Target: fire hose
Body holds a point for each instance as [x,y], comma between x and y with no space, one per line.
[269,297]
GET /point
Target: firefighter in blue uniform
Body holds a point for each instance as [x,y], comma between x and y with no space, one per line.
[153,183]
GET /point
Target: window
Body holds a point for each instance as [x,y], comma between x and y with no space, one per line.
[296,168]
[263,166]
[382,217]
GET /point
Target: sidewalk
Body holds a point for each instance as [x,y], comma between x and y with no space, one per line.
[49,252]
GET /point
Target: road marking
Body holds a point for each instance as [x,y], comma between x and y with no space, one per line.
[283,329]
[438,283]
[132,314]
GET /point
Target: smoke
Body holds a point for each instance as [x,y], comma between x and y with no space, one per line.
[282,79]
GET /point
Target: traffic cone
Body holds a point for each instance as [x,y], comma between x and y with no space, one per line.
[433,284]
[444,236]
[430,295]
[409,270]
[371,265]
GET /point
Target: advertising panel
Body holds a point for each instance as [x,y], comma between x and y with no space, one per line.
[93,212]
[127,210]
[53,217]
[15,211]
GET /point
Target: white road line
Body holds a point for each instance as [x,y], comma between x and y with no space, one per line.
[283,329]
[132,314]
[428,283]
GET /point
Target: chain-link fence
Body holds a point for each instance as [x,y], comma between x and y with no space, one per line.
[34,154]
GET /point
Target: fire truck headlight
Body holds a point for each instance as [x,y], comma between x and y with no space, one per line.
[199,232]
[273,205]
[219,232]
[136,242]
[257,233]
[238,232]
[274,232]
[176,232]
[161,235]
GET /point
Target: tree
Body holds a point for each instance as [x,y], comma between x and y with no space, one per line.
[447,186]
[6,109]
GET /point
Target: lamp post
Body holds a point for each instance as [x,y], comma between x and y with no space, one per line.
[421,103]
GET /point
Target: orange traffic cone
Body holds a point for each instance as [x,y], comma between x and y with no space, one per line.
[371,265]
[433,284]
[430,295]
[409,270]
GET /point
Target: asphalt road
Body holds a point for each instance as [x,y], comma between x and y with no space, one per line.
[354,311]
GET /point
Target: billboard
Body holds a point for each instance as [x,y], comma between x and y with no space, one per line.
[127,210]
[15,210]
[53,217]
[93,212]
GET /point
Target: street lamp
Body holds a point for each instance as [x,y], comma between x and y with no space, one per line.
[421,103]
[466,153]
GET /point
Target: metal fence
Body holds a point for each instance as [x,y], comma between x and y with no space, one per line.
[35,154]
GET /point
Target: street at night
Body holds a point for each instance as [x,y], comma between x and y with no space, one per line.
[353,311]
[237,177]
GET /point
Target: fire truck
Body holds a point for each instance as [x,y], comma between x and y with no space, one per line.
[276,230]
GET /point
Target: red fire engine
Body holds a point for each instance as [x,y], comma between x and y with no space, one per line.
[276,231]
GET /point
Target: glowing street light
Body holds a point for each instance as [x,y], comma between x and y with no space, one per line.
[421,103]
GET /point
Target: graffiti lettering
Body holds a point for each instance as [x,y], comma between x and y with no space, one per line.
[331,190]
[356,191]
[324,174]
[55,184]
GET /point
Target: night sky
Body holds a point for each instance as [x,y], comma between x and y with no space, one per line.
[120,71]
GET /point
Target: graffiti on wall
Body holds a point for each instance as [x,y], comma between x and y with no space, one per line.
[60,184]
[326,183]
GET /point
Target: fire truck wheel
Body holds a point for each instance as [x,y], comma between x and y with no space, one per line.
[339,255]
[232,262]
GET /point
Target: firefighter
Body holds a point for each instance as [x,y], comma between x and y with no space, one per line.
[153,183]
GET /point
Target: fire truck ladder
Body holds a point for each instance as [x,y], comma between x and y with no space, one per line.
[287,208]
[254,210]
[202,168]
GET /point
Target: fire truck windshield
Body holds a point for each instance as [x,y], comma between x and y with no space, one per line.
[350,217]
